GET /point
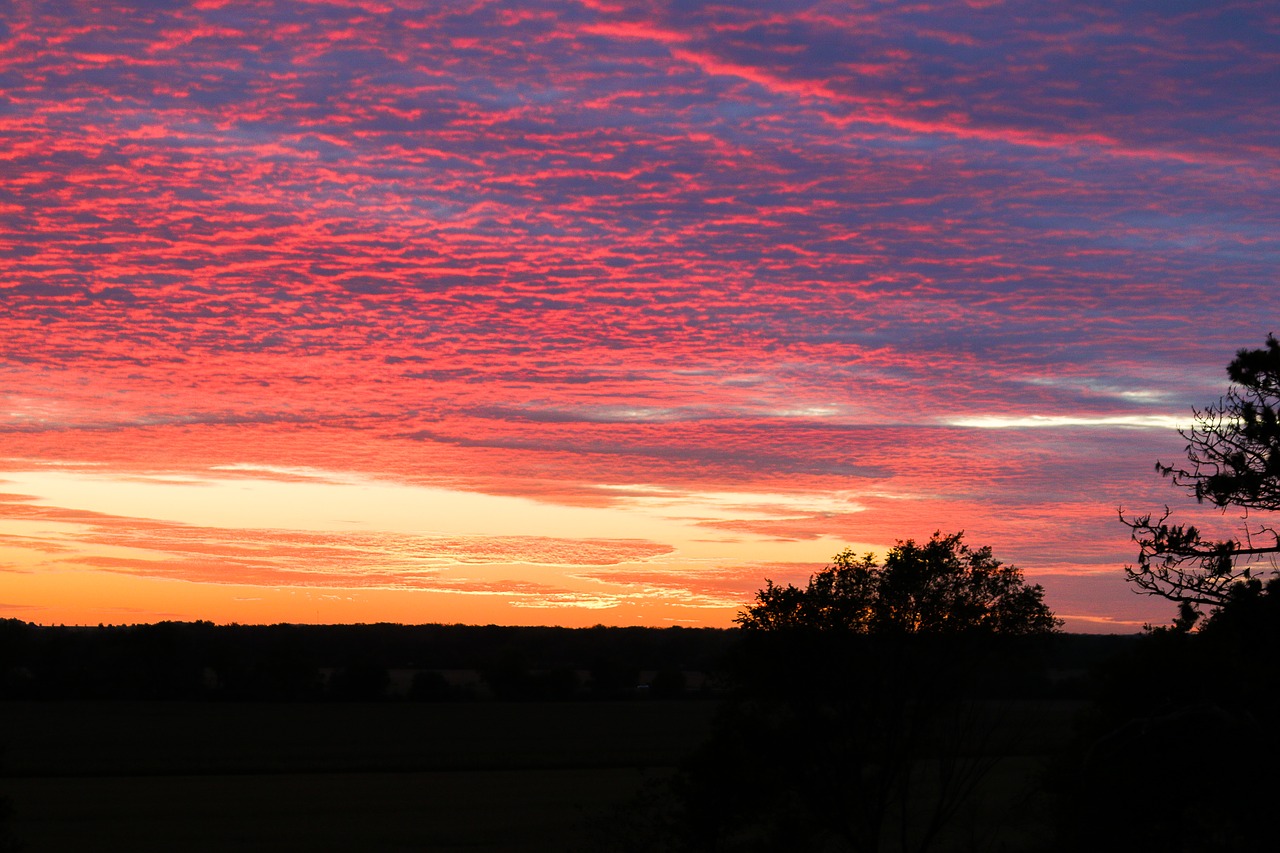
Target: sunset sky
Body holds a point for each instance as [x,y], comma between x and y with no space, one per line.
[593,312]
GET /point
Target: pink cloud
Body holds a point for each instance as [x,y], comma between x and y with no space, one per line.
[533,252]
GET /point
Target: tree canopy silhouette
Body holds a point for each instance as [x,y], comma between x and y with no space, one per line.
[1233,461]
[866,705]
[942,586]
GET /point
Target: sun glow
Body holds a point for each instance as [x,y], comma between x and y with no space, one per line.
[299,527]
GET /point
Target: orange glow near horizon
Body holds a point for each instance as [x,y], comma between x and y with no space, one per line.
[313,543]
[86,544]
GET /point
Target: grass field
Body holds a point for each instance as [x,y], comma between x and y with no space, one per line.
[331,777]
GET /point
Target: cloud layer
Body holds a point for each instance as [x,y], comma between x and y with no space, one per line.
[556,250]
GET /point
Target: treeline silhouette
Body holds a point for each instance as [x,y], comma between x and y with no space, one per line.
[287,662]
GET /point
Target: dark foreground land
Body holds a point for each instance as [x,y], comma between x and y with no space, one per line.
[383,738]
[478,776]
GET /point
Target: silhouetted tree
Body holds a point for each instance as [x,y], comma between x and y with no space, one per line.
[862,721]
[430,686]
[1233,461]
[668,683]
[361,681]
[1191,705]
[1193,709]
[943,586]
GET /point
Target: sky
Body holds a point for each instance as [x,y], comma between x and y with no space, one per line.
[579,313]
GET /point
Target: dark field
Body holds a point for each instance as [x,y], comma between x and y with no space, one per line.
[482,776]
[196,737]
[489,776]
